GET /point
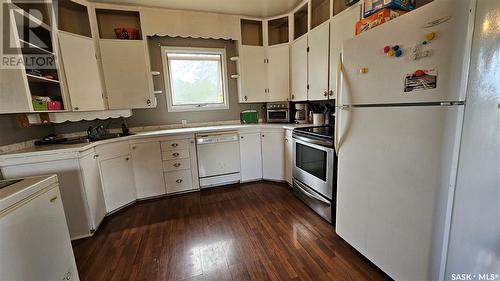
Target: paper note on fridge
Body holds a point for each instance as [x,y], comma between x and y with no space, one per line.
[421,80]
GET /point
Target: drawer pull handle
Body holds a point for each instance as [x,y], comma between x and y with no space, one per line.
[177,165]
[178,181]
[175,145]
[53,199]
[175,154]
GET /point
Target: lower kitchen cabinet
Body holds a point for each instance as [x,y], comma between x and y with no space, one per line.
[93,189]
[273,155]
[179,165]
[289,157]
[148,172]
[117,177]
[251,157]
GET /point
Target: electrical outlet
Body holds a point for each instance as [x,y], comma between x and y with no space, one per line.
[184,123]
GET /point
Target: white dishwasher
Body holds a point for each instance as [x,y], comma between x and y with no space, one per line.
[218,158]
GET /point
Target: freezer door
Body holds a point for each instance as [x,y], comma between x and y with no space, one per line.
[384,80]
[393,176]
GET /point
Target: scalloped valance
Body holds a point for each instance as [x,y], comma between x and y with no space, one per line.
[176,23]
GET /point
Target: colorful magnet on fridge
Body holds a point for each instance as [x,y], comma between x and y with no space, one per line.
[395,48]
[419,73]
[391,53]
[399,53]
[387,49]
[430,36]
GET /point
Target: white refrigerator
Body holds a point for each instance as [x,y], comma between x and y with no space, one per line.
[398,135]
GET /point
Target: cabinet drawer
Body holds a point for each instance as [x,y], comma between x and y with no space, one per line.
[175,145]
[174,154]
[179,181]
[175,165]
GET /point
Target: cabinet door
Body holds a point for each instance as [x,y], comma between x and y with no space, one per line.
[81,71]
[298,60]
[278,73]
[251,157]
[93,189]
[273,155]
[318,64]
[117,177]
[253,81]
[126,74]
[148,172]
[35,241]
[342,28]
[288,157]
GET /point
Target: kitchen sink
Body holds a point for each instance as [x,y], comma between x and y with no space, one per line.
[83,140]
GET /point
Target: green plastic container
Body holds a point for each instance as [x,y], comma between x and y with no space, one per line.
[40,105]
[249,117]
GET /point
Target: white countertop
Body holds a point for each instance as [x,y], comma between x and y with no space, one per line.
[17,192]
[75,148]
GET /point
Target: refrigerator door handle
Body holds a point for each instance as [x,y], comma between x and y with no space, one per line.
[341,107]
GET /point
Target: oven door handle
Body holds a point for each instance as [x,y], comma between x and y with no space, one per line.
[308,194]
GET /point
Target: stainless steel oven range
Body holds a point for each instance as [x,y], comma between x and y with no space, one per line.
[315,169]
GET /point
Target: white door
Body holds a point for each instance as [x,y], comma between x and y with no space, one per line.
[117,177]
[318,63]
[148,169]
[81,71]
[384,81]
[253,74]
[251,157]
[126,74]
[298,61]
[35,241]
[93,189]
[273,155]
[342,27]
[278,73]
[393,175]
[14,90]
[289,157]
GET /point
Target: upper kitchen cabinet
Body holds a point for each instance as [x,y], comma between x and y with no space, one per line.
[125,61]
[342,27]
[79,59]
[278,73]
[251,33]
[301,21]
[298,68]
[278,31]
[318,64]
[320,12]
[253,74]
[33,86]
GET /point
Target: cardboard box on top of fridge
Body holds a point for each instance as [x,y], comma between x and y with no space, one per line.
[373,6]
[377,19]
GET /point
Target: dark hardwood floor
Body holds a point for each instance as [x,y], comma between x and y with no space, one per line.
[255,231]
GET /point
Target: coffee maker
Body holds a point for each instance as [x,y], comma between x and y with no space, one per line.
[302,113]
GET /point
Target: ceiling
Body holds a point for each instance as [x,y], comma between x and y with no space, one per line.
[251,8]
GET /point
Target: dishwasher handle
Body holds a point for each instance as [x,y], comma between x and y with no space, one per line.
[217,138]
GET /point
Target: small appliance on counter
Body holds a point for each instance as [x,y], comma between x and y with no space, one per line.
[302,113]
[249,117]
[278,112]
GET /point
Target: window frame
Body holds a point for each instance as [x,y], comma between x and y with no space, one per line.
[168,78]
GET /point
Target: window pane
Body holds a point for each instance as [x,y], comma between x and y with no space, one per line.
[196,81]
